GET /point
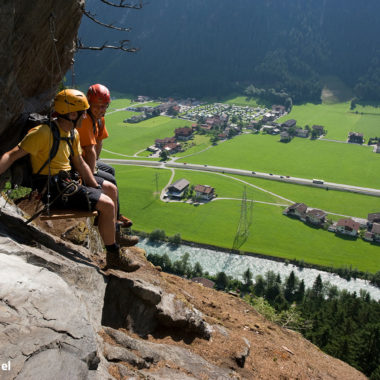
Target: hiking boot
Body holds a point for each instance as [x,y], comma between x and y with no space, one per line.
[117,260]
[126,240]
[124,221]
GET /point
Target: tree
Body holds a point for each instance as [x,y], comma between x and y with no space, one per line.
[197,270]
[317,289]
[259,287]
[172,111]
[157,235]
[123,44]
[164,155]
[314,134]
[247,277]
[221,280]
[353,103]
[175,239]
[300,292]
[214,139]
[166,263]
[290,287]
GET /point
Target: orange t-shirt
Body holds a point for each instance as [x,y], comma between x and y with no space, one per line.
[90,135]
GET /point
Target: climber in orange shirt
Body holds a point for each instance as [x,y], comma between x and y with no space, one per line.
[92,133]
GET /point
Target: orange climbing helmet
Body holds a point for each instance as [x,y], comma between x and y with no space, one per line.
[97,93]
[70,100]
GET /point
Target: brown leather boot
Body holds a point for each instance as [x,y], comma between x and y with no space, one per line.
[124,221]
[120,261]
[126,240]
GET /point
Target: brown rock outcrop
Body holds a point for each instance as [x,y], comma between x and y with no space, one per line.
[32,63]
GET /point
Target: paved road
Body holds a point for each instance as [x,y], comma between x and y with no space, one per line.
[274,177]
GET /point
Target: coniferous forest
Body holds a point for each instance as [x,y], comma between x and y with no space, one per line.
[342,324]
[216,47]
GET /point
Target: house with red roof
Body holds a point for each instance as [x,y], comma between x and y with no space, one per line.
[204,192]
[347,227]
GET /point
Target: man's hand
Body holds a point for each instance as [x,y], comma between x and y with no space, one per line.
[84,170]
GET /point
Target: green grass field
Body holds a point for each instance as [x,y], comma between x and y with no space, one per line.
[271,233]
[338,119]
[127,138]
[341,163]
[120,103]
[201,142]
[241,101]
[216,223]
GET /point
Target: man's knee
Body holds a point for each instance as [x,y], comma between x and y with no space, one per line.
[105,204]
[109,187]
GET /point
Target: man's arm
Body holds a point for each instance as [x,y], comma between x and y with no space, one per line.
[90,156]
[8,158]
[98,148]
[84,171]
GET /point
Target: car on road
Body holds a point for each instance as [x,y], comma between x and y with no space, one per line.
[253,172]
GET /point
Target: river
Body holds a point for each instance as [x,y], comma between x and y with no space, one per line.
[235,265]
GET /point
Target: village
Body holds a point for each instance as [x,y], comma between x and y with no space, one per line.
[224,121]
[368,229]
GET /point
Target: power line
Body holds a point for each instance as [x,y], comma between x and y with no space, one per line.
[245,222]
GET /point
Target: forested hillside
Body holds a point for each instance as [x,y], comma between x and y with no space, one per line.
[215,47]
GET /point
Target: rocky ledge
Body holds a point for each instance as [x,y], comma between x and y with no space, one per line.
[63,318]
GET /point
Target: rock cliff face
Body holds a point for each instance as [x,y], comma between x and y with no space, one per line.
[61,317]
[36,49]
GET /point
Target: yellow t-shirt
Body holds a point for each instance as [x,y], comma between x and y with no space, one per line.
[38,143]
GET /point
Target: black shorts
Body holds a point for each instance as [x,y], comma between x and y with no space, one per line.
[101,175]
[69,194]
[105,168]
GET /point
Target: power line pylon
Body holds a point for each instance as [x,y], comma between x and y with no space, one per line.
[245,222]
[156,177]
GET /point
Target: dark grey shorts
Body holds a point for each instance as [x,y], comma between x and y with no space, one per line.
[65,193]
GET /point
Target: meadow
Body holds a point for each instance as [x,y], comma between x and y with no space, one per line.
[338,119]
[129,138]
[271,233]
[335,162]
[216,223]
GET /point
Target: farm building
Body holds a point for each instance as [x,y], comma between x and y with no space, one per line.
[178,188]
[160,143]
[285,137]
[316,216]
[204,192]
[204,281]
[278,109]
[319,129]
[302,132]
[183,134]
[172,148]
[374,217]
[297,209]
[289,123]
[355,137]
[270,129]
[347,227]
